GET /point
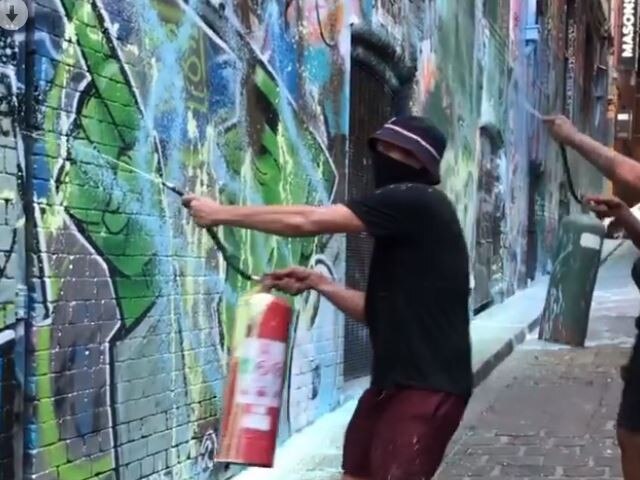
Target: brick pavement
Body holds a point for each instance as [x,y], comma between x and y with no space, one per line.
[550,413]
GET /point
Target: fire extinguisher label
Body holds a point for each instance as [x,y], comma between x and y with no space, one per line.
[256,422]
[261,370]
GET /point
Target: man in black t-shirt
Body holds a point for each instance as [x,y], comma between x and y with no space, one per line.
[625,172]
[416,303]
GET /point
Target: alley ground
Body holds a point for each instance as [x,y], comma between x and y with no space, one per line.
[547,411]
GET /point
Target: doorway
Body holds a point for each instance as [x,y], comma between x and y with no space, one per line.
[488,262]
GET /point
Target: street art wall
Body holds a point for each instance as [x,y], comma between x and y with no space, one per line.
[501,169]
[567,73]
[116,370]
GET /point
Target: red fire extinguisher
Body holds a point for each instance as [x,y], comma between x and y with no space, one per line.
[255,380]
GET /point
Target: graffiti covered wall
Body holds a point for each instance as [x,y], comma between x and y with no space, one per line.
[501,169]
[567,76]
[247,102]
[477,99]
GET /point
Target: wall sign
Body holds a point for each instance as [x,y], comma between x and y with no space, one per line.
[628,35]
[623,123]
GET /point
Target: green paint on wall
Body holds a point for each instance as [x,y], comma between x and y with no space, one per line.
[278,174]
[108,123]
[7,315]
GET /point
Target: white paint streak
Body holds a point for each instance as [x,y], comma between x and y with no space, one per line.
[7,336]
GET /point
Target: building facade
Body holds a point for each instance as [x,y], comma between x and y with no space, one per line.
[625,80]
[115,309]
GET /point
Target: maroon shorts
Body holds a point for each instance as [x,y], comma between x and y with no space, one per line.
[400,434]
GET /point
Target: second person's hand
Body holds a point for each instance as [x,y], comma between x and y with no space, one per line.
[607,206]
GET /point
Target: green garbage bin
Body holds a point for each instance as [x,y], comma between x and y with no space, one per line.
[565,318]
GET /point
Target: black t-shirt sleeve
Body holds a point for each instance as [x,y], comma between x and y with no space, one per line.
[394,210]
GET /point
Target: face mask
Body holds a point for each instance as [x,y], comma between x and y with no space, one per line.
[388,171]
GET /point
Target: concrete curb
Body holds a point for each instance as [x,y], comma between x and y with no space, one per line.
[487,367]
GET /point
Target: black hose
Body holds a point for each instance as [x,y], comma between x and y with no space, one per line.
[233,265]
[326,41]
[567,172]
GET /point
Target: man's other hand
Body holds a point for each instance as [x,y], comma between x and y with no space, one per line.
[607,207]
[204,211]
[561,128]
[294,280]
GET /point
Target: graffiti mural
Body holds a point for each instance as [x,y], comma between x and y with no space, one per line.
[134,305]
[453,100]
[485,89]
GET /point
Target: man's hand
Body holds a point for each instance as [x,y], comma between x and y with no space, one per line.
[294,280]
[204,211]
[561,128]
[607,207]
[623,217]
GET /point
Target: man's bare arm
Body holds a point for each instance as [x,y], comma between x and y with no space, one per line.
[618,168]
[288,221]
[297,221]
[348,300]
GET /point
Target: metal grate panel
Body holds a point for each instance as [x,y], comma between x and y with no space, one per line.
[370,109]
